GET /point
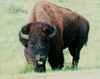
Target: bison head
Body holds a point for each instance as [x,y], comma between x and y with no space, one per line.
[35,37]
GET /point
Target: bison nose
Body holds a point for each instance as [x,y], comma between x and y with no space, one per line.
[40,58]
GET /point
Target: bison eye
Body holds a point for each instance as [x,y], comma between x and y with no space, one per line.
[31,44]
[47,41]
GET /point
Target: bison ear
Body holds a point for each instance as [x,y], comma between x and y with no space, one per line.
[25,29]
[51,30]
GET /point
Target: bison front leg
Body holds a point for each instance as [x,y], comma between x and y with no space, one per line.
[55,57]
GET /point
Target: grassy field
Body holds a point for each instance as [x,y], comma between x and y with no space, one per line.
[12,17]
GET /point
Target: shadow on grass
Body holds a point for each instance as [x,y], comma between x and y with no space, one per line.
[29,68]
[70,68]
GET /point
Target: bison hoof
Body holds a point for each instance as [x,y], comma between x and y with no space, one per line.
[74,67]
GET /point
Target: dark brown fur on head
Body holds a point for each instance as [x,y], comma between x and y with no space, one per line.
[26,28]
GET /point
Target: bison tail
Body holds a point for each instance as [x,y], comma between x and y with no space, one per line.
[86,41]
[87,32]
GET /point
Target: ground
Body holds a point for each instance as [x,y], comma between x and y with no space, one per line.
[84,74]
[91,74]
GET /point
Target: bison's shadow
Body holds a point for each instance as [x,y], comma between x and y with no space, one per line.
[29,68]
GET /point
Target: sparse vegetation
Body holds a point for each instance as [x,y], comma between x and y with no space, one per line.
[12,7]
[12,17]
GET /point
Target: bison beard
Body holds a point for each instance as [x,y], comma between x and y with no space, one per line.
[48,30]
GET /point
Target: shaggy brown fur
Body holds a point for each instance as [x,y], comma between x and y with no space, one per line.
[72,31]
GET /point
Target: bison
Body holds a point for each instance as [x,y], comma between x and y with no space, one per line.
[48,30]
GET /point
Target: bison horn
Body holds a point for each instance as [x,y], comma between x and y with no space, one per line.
[25,36]
[54,32]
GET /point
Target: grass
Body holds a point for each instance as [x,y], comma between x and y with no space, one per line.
[12,61]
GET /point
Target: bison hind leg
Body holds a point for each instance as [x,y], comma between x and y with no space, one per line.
[75,49]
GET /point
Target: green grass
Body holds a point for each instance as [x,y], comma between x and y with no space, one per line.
[12,61]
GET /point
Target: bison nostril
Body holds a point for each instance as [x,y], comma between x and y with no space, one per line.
[40,58]
[37,57]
